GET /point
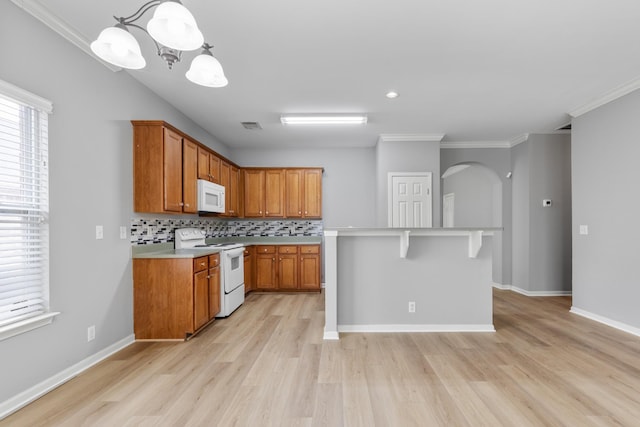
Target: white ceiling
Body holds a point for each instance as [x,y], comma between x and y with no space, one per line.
[479,72]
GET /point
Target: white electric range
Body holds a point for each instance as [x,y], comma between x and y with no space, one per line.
[231,264]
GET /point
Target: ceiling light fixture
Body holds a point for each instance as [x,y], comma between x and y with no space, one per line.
[392,95]
[173,30]
[324,119]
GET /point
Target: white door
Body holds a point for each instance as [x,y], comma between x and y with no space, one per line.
[410,199]
[448,209]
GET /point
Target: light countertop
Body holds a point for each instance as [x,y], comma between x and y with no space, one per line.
[166,250]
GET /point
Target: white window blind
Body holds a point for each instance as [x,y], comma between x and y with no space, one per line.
[24,207]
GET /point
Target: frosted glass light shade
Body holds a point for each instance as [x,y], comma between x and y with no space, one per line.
[117,46]
[174,26]
[206,70]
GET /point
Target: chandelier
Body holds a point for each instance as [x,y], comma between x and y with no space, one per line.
[173,30]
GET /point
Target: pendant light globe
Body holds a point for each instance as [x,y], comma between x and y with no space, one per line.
[174,26]
[117,46]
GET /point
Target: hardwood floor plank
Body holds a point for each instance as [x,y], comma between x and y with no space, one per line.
[267,365]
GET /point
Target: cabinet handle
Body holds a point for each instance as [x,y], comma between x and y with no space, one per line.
[267,212]
[181,204]
[186,205]
[305,212]
[299,212]
[260,212]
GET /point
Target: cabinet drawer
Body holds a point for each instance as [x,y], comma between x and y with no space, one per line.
[309,249]
[214,260]
[287,249]
[200,264]
[266,250]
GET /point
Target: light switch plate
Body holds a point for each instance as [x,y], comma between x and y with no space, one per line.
[99,232]
[584,229]
[123,232]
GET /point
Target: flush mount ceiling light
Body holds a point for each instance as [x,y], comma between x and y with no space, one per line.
[323,119]
[173,30]
[392,95]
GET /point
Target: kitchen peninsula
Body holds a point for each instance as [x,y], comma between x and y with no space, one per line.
[408,280]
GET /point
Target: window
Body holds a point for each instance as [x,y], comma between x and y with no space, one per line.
[24,210]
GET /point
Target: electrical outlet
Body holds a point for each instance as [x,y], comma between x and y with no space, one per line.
[123,232]
[91,333]
[412,306]
[99,232]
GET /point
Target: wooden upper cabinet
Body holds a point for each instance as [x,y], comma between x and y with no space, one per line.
[234,191]
[230,180]
[303,193]
[312,198]
[274,193]
[172,171]
[253,192]
[214,168]
[189,176]
[203,164]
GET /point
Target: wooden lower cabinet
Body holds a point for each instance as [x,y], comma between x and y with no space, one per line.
[173,298]
[248,269]
[287,268]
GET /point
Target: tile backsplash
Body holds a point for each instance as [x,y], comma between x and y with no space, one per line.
[145,231]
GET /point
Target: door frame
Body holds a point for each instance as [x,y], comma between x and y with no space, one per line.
[390,176]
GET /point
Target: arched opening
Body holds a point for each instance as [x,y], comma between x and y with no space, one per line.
[472,197]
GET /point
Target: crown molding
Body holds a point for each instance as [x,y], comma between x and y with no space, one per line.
[610,96]
[44,15]
[476,144]
[518,139]
[411,137]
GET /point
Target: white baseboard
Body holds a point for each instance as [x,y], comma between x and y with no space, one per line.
[606,321]
[416,328]
[11,405]
[506,287]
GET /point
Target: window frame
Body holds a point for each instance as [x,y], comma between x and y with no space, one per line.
[44,106]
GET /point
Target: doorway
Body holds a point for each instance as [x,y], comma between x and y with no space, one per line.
[410,203]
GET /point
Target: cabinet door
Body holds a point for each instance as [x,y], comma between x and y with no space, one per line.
[214,291]
[248,270]
[310,271]
[234,190]
[203,164]
[189,176]
[214,168]
[312,193]
[200,299]
[254,192]
[172,151]
[274,184]
[293,197]
[287,271]
[224,181]
[265,274]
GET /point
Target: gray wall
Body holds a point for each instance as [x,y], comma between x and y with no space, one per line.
[605,177]
[348,190]
[499,161]
[406,157]
[90,184]
[542,235]
[473,189]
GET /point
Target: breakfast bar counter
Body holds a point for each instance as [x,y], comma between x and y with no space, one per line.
[408,280]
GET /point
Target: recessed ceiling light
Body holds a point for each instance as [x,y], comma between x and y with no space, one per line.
[324,119]
[392,95]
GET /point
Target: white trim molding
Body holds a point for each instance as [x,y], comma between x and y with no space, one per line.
[15,403]
[415,328]
[51,20]
[26,97]
[475,144]
[606,98]
[606,321]
[507,287]
[411,137]
[518,139]
[17,328]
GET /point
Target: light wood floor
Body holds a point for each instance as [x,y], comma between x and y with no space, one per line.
[267,365]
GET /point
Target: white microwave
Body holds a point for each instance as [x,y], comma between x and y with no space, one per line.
[210,197]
